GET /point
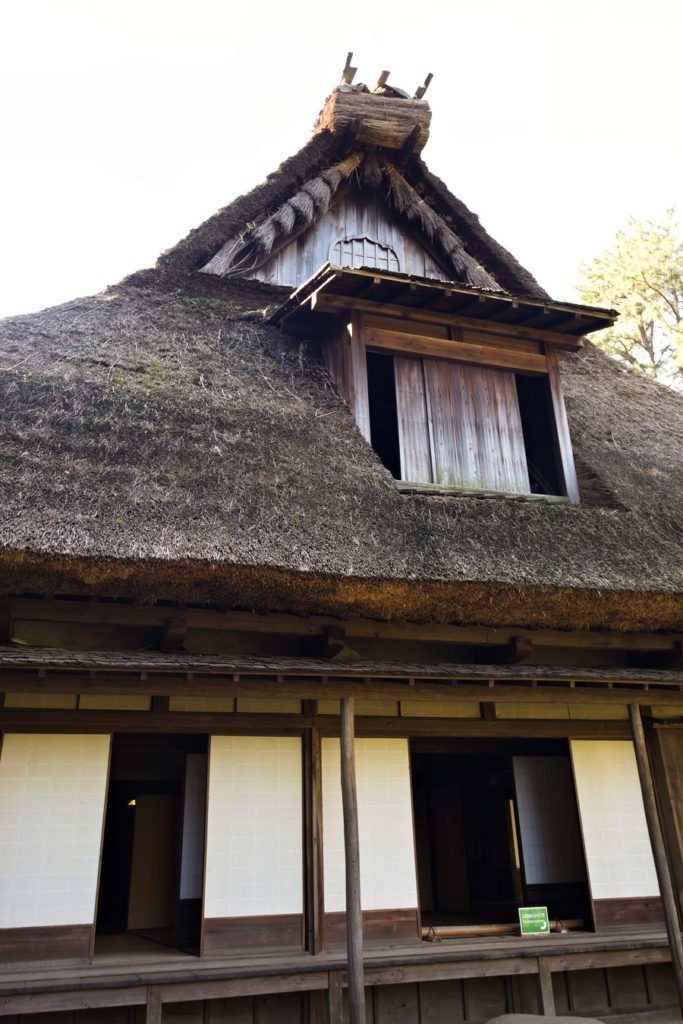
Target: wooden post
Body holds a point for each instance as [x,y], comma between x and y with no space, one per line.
[314,887]
[334,998]
[354,919]
[658,848]
[546,996]
[153,1012]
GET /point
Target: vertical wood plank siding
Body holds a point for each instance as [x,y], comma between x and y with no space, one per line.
[459,425]
[411,408]
[355,214]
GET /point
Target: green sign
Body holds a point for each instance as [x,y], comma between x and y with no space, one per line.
[534,921]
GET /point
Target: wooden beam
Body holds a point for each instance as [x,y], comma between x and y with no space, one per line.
[280,622]
[664,875]
[459,351]
[602,691]
[328,303]
[354,916]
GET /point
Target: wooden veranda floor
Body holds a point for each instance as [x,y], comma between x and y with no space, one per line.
[144,972]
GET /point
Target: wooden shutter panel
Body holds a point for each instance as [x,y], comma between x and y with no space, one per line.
[459,425]
[455,445]
[413,430]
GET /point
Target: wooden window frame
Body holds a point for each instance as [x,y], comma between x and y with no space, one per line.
[479,343]
[368,253]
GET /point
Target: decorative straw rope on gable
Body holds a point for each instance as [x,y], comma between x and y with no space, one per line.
[407,201]
[309,203]
[248,250]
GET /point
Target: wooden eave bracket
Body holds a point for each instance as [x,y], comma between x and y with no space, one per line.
[175,629]
[513,653]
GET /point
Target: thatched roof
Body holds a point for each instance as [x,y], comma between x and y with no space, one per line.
[242,234]
[166,445]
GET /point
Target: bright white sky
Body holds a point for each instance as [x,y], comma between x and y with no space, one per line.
[124,125]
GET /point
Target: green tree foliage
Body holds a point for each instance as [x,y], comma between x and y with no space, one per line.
[642,277]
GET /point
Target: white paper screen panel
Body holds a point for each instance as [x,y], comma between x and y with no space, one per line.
[52,793]
[385,824]
[254,844]
[618,851]
[459,425]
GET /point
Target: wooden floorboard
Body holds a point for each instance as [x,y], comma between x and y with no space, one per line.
[147,968]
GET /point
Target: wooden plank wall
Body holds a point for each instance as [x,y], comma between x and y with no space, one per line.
[611,990]
[357,213]
[413,432]
[467,418]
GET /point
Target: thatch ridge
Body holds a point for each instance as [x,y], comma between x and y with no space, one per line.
[320,154]
[148,427]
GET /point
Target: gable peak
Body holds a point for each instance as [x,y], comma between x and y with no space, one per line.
[386,116]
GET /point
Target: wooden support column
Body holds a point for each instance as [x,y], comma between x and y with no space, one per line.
[546,996]
[334,997]
[313,853]
[153,1014]
[658,848]
[354,919]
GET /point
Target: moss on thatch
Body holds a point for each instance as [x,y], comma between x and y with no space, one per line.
[165,446]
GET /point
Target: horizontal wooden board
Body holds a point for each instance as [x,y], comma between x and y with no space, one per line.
[460,351]
[56,942]
[223,934]
[477,333]
[628,910]
[326,303]
[395,926]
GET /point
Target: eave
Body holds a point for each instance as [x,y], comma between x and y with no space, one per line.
[334,289]
[269,589]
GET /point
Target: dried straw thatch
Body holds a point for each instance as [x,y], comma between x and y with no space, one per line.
[248,250]
[167,447]
[407,201]
[319,160]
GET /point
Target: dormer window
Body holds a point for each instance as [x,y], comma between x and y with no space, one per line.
[360,251]
[456,388]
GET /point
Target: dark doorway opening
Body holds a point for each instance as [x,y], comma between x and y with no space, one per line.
[383,413]
[151,873]
[540,438]
[496,827]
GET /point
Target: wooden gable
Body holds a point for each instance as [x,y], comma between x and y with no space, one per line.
[359,224]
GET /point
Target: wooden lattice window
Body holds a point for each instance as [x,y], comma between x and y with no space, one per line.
[360,251]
